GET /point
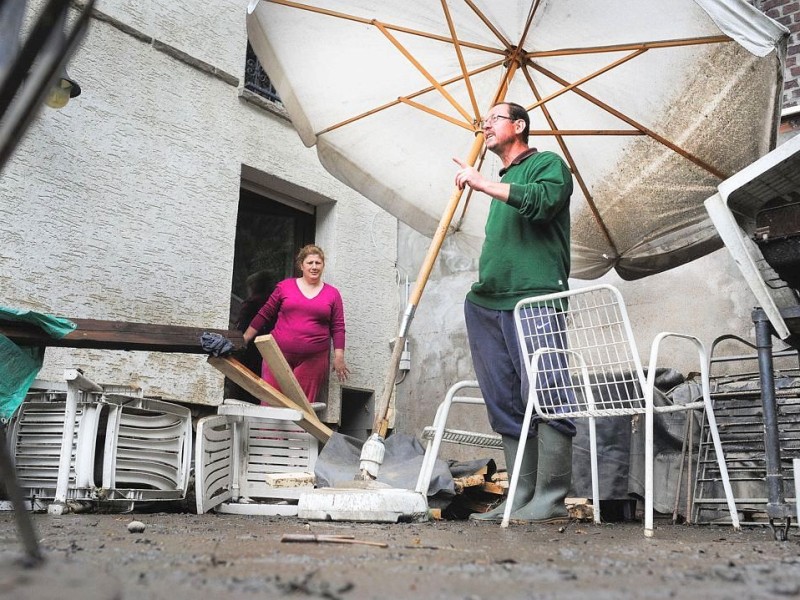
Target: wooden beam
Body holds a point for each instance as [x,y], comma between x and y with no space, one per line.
[252,383]
[119,335]
[282,372]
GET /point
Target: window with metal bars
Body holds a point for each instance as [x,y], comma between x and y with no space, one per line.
[256,79]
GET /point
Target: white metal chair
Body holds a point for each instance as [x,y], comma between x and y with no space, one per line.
[597,373]
[439,432]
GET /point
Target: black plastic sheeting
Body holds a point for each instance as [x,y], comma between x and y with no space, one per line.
[338,463]
[620,442]
[621,448]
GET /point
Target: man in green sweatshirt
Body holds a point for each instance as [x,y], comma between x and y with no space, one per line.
[526,253]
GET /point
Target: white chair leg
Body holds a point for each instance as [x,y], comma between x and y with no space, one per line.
[432,447]
[723,467]
[523,440]
[648,467]
[439,424]
[595,470]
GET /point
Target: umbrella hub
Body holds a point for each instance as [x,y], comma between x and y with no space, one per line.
[514,56]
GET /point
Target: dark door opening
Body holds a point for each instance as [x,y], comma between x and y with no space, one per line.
[268,236]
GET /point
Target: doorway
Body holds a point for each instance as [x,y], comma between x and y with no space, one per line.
[268,235]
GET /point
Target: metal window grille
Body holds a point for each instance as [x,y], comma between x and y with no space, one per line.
[256,79]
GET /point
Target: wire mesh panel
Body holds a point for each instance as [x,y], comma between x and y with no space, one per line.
[739,412]
[580,355]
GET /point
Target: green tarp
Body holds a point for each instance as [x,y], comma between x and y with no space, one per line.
[20,364]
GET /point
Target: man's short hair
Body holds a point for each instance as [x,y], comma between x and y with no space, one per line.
[517,112]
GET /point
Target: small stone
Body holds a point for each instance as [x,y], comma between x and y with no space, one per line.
[136,527]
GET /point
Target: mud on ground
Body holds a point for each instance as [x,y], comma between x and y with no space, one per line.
[187,556]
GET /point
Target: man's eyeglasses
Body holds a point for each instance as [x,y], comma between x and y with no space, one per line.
[492,120]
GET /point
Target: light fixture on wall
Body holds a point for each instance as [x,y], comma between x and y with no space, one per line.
[62,90]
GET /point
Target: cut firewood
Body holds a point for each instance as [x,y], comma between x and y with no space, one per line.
[580,509]
[467,482]
[491,487]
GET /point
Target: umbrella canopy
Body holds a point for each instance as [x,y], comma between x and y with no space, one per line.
[651,103]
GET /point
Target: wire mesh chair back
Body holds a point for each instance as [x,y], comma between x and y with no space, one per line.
[580,354]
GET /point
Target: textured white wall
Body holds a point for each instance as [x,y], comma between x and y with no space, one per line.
[123,204]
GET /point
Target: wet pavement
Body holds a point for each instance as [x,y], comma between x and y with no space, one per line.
[187,556]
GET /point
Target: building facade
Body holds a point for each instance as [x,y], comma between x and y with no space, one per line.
[131,202]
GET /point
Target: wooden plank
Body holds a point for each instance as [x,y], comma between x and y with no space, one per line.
[119,335]
[281,370]
[244,377]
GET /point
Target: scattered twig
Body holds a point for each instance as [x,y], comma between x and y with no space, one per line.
[311,538]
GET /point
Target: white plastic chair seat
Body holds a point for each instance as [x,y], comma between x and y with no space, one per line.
[61,435]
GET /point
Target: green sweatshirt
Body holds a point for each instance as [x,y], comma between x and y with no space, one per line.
[526,250]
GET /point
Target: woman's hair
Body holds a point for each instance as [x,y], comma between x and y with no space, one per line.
[307,251]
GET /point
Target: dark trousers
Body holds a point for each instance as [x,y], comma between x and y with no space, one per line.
[499,365]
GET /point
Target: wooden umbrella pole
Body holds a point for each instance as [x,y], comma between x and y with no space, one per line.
[380,423]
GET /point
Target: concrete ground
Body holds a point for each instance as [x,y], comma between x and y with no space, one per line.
[188,556]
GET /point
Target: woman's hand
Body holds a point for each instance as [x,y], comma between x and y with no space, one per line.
[249,334]
[339,366]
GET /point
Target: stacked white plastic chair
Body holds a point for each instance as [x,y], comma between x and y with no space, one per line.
[80,441]
[600,356]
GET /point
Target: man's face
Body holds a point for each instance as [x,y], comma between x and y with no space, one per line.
[499,129]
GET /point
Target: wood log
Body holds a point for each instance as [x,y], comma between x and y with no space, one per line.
[119,335]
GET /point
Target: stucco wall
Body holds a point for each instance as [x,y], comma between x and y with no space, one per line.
[123,204]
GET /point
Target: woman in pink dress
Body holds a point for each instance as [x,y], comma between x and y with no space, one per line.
[308,314]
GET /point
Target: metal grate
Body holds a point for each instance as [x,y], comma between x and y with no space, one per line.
[256,79]
[739,413]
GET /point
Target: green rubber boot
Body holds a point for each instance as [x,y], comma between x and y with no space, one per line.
[553,482]
[527,479]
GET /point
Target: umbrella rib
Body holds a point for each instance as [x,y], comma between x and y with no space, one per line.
[393,27]
[574,167]
[402,49]
[528,21]
[436,113]
[573,132]
[407,97]
[479,13]
[589,77]
[715,39]
[633,123]
[462,64]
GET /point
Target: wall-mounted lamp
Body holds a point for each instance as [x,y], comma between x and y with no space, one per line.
[63,89]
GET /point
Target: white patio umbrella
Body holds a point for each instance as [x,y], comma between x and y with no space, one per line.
[651,102]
